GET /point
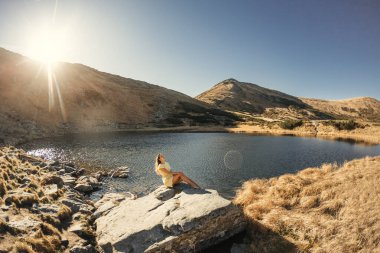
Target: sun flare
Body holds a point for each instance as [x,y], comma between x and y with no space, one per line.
[48,45]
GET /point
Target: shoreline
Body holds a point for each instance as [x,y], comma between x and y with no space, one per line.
[369,136]
[68,195]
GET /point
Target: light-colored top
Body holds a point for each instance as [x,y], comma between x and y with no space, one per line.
[167,178]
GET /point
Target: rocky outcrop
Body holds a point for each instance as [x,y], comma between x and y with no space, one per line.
[167,220]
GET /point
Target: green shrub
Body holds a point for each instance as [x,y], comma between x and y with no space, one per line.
[291,124]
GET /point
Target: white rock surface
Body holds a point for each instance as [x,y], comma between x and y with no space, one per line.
[189,221]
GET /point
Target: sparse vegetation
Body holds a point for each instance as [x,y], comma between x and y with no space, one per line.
[290,124]
[64,213]
[21,247]
[343,125]
[328,209]
[22,186]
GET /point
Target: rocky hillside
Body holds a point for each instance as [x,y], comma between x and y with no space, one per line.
[249,98]
[362,107]
[40,210]
[82,98]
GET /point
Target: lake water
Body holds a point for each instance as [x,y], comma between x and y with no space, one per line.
[220,161]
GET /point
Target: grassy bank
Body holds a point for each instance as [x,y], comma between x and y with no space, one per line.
[326,209]
[368,133]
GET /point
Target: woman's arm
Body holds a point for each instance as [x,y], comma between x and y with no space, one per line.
[165,172]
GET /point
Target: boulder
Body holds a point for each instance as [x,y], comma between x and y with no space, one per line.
[73,204]
[77,228]
[83,249]
[164,193]
[83,188]
[69,169]
[89,180]
[69,180]
[109,201]
[81,171]
[51,190]
[54,163]
[61,172]
[191,220]
[114,197]
[24,224]
[48,208]
[52,179]
[120,172]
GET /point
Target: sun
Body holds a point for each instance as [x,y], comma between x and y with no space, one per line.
[48,45]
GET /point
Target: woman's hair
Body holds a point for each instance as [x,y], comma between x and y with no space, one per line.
[156,163]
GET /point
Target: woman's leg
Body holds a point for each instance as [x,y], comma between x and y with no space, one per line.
[180,176]
[176,178]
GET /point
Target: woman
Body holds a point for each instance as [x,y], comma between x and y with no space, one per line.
[170,178]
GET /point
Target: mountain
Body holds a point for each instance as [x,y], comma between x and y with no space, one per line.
[233,95]
[82,98]
[248,98]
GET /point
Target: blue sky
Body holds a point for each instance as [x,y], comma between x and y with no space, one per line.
[312,48]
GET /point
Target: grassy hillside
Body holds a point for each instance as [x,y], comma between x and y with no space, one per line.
[82,98]
[328,209]
[364,108]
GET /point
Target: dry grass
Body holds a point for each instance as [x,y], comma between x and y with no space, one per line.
[22,201]
[370,134]
[20,187]
[64,213]
[327,209]
[21,247]
[51,220]
[44,244]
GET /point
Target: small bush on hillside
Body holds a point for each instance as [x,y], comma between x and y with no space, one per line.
[291,124]
[344,125]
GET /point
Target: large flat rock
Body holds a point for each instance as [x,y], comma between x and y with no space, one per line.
[190,220]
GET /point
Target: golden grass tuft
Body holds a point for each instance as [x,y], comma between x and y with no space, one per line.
[48,229]
[3,188]
[326,209]
[51,220]
[22,247]
[64,213]
[22,201]
[44,244]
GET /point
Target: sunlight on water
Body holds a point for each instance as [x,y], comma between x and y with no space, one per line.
[48,153]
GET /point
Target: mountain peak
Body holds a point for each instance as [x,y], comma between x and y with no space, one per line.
[230,80]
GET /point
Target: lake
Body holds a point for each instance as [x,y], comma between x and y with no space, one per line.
[220,161]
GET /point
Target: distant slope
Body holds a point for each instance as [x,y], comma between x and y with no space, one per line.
[242,97]
[363,108]
[90,100]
